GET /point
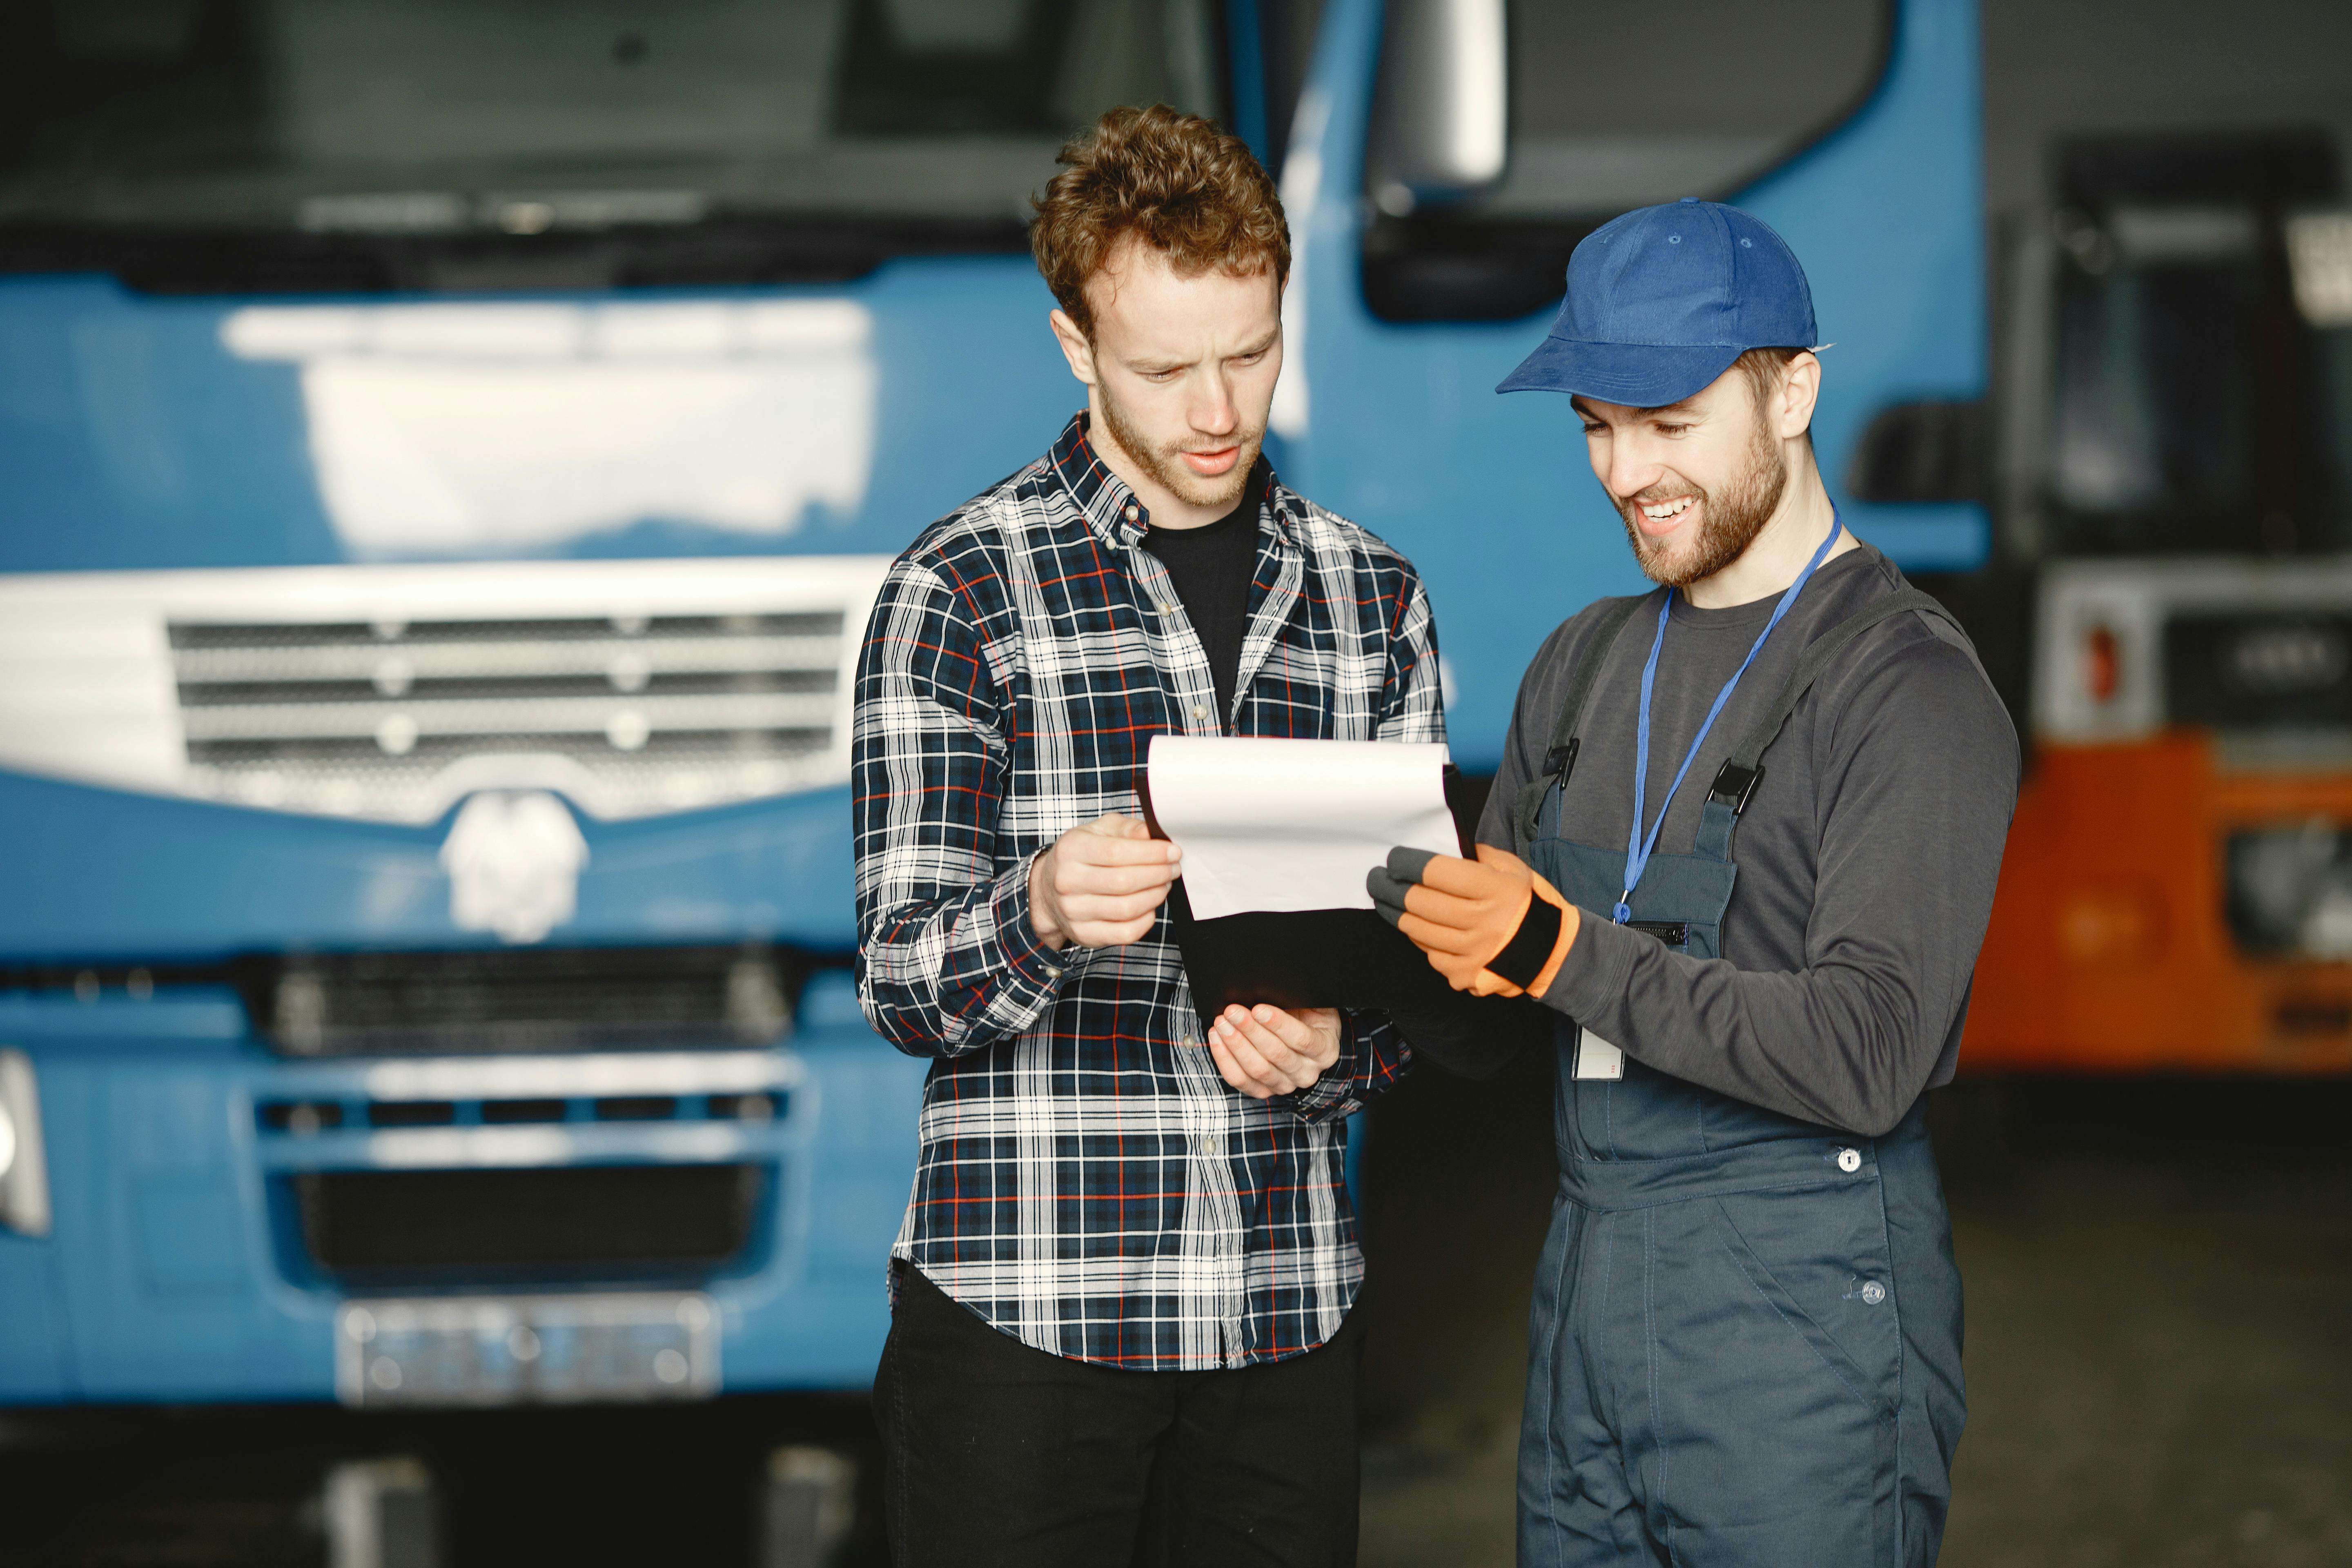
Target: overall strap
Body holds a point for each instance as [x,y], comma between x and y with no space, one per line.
[1559,757]
[1737,780]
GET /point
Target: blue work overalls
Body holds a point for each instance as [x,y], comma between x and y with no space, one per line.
[1745,1345]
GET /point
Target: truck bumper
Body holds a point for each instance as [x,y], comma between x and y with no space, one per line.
[2111,946]
[182,1265]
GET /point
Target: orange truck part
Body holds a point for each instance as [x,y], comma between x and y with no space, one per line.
[2111,948]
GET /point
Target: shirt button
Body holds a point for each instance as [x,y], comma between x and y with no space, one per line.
[1210,1146]
[1166,608]
[1199,711]
[1872,1292]
[1849,1161]
[1052,972]
[1190,1043]
[1133,512]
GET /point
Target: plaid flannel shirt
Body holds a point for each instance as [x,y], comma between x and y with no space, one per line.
[1087,1182]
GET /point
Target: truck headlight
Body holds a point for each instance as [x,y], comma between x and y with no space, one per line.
[2290,890]
[24,1174]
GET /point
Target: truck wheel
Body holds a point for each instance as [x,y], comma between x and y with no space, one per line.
[808,1501]
[379,1513]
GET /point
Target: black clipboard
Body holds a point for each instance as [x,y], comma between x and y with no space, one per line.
[1308,957]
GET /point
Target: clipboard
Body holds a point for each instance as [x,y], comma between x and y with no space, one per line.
[1308,957]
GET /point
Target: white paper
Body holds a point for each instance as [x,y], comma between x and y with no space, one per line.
[1294,825]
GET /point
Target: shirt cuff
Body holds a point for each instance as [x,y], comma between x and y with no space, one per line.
[1335,1093]
[1034,970]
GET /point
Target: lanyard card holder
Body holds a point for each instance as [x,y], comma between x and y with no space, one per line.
[1596,1058]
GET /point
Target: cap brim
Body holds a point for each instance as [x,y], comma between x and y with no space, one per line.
[1638,376]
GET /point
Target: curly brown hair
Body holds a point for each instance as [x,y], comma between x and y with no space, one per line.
[1192,192]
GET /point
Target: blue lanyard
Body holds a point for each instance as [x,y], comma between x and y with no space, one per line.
[1638,848]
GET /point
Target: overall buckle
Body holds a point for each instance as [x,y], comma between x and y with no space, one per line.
[1733,784]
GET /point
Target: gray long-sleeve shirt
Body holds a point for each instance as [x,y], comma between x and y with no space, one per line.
[1867,855]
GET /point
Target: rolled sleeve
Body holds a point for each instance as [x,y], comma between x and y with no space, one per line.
[1372,1059]
[947,959]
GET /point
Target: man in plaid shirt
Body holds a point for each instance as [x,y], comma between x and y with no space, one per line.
[1122,1293]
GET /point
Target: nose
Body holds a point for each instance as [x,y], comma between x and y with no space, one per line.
[1631,468]
[1213,413]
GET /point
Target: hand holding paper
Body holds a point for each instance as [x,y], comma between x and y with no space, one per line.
[1264,1051]
[1100,885]
[1491,926]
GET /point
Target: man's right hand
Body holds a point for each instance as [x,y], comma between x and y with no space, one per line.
[1100,885]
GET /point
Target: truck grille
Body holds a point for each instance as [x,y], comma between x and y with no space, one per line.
[392,719]
[569,1223]
[401,1003]
[391,692]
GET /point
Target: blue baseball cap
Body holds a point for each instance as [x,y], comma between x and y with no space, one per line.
[1660,303]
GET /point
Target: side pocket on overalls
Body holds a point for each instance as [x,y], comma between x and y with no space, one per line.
[1775,1421]
[1818,1260]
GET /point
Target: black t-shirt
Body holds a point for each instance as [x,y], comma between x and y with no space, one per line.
[1213,567]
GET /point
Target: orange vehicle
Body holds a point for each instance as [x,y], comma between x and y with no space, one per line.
[2174,500]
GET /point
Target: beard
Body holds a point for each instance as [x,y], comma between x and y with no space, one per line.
[1729,522]
[1166,464]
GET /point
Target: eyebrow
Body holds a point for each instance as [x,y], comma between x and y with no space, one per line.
[1147,366]
[1577,403]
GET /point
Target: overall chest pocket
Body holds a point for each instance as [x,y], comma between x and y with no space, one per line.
[1647,1114]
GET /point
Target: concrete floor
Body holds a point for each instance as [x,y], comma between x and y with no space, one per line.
[2159,1301]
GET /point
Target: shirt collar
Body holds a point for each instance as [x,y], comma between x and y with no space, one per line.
[1114,512]
[1111,509]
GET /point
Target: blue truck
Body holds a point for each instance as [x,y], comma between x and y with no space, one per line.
[446,455]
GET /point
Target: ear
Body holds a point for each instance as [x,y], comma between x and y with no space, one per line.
[1074,346]
[1801,391]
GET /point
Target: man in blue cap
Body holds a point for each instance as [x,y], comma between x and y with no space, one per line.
[1745,1334]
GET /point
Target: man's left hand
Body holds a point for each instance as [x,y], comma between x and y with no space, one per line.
[1264,1051]
[1491,926]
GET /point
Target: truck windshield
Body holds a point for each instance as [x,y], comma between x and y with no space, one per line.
[1749,83]
[442,116]
[1613,107]
[2202,381]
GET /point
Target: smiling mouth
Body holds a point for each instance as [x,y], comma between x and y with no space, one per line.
[1660,517]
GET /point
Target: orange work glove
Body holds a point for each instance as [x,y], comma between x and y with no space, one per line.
[1491,926]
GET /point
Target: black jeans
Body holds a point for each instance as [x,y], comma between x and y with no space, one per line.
[994,1453]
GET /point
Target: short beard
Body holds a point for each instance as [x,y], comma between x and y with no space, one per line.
[1168,468]
[1728,523]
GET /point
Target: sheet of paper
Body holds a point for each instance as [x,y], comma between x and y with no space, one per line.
[1294,825]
